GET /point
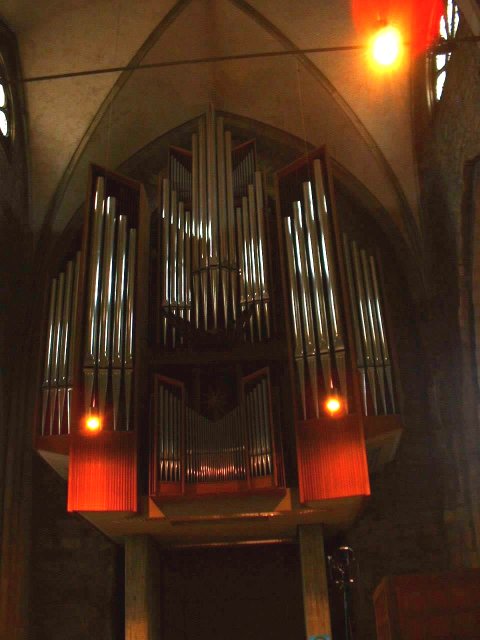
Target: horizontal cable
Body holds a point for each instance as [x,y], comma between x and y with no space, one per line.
[240,56]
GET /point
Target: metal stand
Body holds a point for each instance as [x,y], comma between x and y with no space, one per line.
[343,571]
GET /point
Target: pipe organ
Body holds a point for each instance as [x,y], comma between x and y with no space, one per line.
[212,266]
[57,384]
[373,352]
[108,352]
[190,449]
[193,333]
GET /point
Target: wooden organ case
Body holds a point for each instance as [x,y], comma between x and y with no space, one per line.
[207,336]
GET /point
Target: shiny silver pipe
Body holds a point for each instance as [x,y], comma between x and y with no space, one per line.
[383,339]
[232,253]
[365,325]
[173,302]
[73,339]
[119,317]
[247,261]
[314,261]
[91,343]
[165,253]
[188,264]
[57,338]
[262,249]
[65,343]
[223,219]
[241,259]
[104,344]
[202,175]
[181,260]
[299,350]
[306,304]
[374,328]
[196,229]
[129,322]
[48,355]
[212,186]
[254,252]
[327,254]
[222,193]
[359,345]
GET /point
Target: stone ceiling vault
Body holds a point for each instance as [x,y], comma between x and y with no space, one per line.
[332,99]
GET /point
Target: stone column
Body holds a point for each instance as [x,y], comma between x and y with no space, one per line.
[142,585]
[314,582]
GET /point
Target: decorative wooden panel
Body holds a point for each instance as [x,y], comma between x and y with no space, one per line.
[332,459]
[103,473]
[444,606]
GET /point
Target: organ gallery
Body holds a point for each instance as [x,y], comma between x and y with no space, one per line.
[238,320]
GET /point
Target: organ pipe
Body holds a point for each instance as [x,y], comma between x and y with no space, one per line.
[227,237]
[215,450]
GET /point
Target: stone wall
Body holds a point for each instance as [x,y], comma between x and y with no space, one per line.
[76,572]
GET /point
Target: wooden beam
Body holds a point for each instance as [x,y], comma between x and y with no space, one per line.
[142,585]
[314,582]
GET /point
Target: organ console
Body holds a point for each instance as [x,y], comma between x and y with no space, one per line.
[174,327]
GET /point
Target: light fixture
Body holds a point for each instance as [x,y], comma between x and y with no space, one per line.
[386,46]
[334,405]
[93,423]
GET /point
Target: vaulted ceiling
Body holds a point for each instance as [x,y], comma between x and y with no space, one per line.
[329,98]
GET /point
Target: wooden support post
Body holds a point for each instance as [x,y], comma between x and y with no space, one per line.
[142,583]
[314,581]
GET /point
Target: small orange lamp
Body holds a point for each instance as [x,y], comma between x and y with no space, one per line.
[93,424]
[334,405]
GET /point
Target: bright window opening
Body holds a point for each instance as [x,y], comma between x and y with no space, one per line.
[447,30]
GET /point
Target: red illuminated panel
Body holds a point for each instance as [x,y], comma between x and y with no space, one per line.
[417,20]
[102,473]
[332,461]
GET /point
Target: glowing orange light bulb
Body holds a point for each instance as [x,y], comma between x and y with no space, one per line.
[386,46]
[93,424]
[333,405]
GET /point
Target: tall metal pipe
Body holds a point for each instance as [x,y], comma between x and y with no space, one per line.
[255,257]
[73,341]
[374,328]
[262,249]
[204,239]
[314,261]
[306,304]
[365,325]
[232,252]
[165,252]
[296,317]
[173,301]
[359,345]
[383,338]
[188,263]
[119,317]
[329,274]
[129,322]
[94,276]
[248,261]
[57,338]
[104,346]
[65,344]
[196,229]
[48,355]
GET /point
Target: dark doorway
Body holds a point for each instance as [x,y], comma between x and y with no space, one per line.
[238,593]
